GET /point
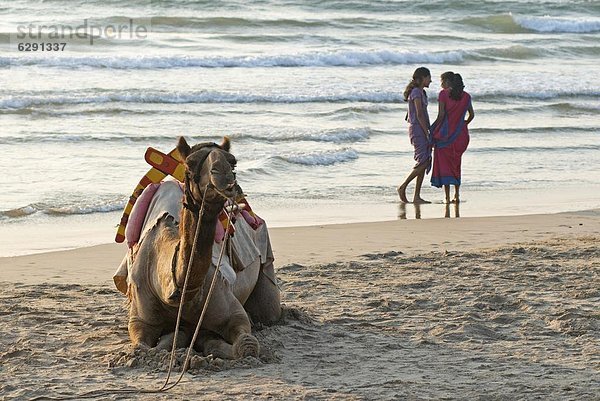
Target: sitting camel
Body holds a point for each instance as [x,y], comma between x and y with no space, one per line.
[157,274]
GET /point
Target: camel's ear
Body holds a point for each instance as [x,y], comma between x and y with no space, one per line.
[226,145]
[183,147]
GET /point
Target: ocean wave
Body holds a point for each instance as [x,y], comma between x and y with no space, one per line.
[542,94]
[78,113]
[219,22]
[87,138]
[515,52]
[344,112]
[325,158]
[533,130]
[339,135]
[15,102]
[575,108]
[335,135]
[68,208]
[509,23]
[19,212]
[536,149]
[346,58]
[503,23]
[558,24]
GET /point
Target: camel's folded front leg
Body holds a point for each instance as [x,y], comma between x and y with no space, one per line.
[226,317]
[141,332]
[166,341]
[238,331]
[211,343]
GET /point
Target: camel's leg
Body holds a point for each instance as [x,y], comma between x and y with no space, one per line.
[212,343]
[237,332]
[166,341]
[264,303]
[143,334]
[226,316]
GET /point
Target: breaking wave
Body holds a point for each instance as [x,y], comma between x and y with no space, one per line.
[559,24]
[509,23]
[325,158]
[15,104]
[313,59]
[339,135]
[68,208]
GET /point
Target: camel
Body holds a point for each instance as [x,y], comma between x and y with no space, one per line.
[158,271]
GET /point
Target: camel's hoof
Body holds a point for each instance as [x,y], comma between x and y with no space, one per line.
[143,347]
[246,345]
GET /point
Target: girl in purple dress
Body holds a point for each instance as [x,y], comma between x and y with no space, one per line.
[418,131]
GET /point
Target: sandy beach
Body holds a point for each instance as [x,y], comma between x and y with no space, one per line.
[493,299]
[487,308]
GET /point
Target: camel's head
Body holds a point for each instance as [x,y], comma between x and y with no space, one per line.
[209,171]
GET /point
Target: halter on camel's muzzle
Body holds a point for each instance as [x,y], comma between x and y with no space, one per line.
[190,203]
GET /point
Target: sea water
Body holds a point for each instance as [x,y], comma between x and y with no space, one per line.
[310,92]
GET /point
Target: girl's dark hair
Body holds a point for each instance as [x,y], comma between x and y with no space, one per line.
[419,74]
[457,87]
[447,76]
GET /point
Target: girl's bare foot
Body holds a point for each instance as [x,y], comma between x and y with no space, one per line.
[456,200]
[402,193]
[419,200]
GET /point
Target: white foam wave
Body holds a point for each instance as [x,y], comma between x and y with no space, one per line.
[13,102]
[84,209]
[344,135]
[558,24]
[541,94]
[314,59]
[65,209]
[19,212]
[321,158]
[9,103]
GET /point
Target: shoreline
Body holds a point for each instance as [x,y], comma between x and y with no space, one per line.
[327,243]
[41,233]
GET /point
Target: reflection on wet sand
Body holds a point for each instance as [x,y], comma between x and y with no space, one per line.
[449,207]
[456,210]
[402,210]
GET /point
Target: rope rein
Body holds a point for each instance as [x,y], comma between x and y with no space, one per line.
[204,308]
[181,300]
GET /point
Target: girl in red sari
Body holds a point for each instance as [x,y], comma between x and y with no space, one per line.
[451,134]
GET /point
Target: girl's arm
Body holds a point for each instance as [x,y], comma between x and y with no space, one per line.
[471,114]
[441,114]
[420,116]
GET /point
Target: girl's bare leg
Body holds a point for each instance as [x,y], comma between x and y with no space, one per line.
[447,192]
[456,194]
[417,198]
[402,187]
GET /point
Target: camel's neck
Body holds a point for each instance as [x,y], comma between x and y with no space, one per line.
[203,252]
